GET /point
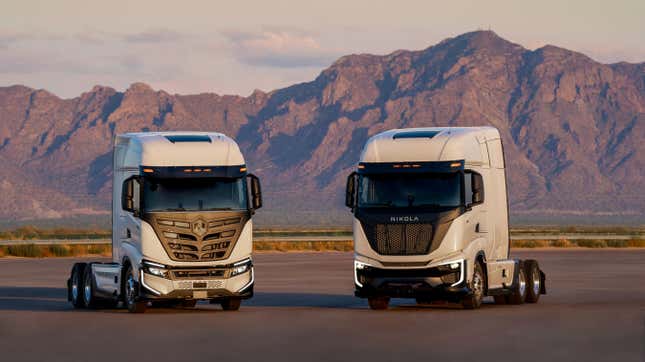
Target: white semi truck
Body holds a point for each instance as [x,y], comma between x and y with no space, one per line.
[181,225]
[430,221]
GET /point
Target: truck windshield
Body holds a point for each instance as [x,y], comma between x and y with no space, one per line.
[197,194]
[436,190]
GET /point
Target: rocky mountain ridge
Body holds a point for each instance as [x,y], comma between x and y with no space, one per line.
[573,130]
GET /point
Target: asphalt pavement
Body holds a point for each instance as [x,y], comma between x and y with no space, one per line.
[304,310]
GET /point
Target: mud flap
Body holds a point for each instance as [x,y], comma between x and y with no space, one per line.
[542,282]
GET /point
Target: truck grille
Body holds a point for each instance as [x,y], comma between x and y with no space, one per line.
[399,239]
[198,236]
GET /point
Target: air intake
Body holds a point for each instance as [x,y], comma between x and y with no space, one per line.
[188,138]
[415,134]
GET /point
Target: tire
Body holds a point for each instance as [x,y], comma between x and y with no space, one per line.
[518,294]
[131,292]
[478,287]
[76,285]
[533,281]
[89,289]
[231,304]
[188,303]
[500,299]
[378,303]
[424,301]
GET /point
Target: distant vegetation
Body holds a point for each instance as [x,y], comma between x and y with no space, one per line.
[43,251]
[34,233]
[61,249]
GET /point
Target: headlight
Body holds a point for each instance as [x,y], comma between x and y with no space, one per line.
[454,272]
[359,266]
[241,267]
[155,269]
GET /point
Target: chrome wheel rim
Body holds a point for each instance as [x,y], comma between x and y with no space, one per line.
[536,281]
[87,290]
[75,288]
[478,286]
[522,283]
[129,289]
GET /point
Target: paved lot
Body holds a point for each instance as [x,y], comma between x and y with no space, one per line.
[304,310]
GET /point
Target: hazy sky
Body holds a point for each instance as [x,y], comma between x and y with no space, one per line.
[233,47]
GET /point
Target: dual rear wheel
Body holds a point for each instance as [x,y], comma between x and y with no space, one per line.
[82,289]
[527,288]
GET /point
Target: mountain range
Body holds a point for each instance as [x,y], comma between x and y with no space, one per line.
[573,131]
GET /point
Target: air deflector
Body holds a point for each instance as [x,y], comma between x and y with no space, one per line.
[415,134]
[188,138]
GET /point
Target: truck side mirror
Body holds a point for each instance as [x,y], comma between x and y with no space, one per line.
[130,195]
[350,191]
[478,188]
[256,192]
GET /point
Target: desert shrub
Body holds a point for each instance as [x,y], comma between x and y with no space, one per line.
[592,243]
[58,250]
[616,243]
[25,250]
[636,243]
[99,250]
[562,243]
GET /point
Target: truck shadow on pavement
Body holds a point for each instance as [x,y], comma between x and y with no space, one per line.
[50,299]
[34,299]
[55,299]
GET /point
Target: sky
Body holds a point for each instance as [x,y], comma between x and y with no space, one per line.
[235,47]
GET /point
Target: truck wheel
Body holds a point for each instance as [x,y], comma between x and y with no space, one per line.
[76,285]
[474,300]
[500,299]
[188,303]
[88,291]
[231,304]
[131,290]
[378,303]
[518,295]
[533,281]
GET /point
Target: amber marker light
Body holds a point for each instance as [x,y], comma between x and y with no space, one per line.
[242,169]
[148,170]
[360,167]
[188,170]
[455,164]
[396,166]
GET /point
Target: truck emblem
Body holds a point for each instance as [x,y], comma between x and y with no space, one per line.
[199,227]
[404,218]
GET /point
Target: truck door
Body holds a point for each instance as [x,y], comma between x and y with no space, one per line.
[498,218]
[130,223]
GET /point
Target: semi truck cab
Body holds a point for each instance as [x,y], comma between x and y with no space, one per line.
[430,220]
[181,225]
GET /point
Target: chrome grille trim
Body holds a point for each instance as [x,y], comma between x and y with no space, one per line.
[215,242]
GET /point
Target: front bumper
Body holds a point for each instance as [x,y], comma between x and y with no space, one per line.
[435,283]
[197,283]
